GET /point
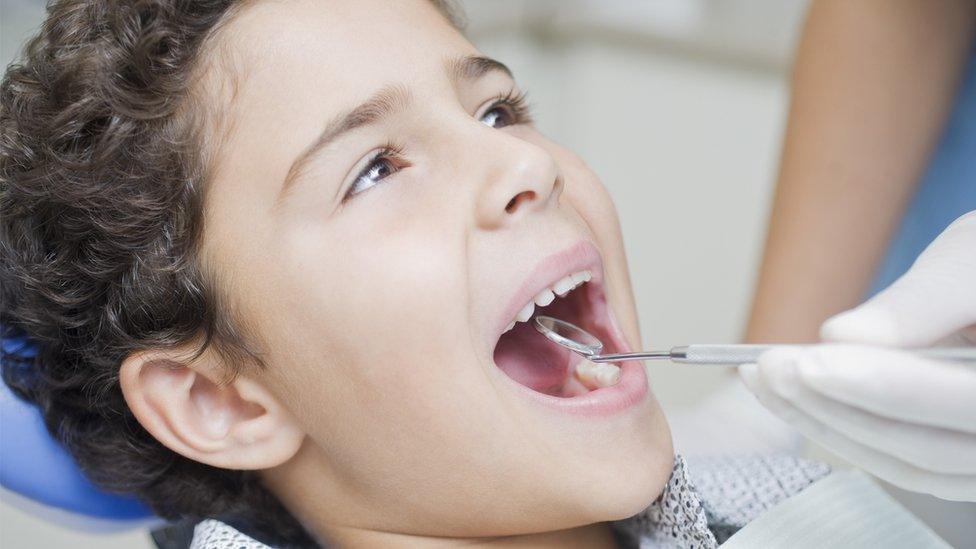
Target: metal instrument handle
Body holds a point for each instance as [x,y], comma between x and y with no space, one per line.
[746,353]
[718,354]
[742,354]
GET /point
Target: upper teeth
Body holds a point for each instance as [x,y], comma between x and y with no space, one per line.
[561,287]
[545,297]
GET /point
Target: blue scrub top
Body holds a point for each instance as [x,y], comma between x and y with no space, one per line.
[947,188]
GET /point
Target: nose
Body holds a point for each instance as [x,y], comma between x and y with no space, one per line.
[520,177]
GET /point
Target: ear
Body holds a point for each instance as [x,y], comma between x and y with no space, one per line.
[184,405]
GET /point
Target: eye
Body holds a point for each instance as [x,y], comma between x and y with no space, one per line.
[507,110]
[381,165]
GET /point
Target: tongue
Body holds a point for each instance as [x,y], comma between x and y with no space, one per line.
[530,359]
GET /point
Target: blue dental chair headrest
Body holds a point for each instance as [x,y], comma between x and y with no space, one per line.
[40,477]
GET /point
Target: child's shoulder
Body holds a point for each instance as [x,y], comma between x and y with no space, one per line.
[708,499]
[214,534]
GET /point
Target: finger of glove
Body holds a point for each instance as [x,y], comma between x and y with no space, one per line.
[888,468]
[928,448]
[935,298]
[886,382]
[749,373]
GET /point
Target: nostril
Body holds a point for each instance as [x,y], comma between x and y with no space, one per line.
[516,200]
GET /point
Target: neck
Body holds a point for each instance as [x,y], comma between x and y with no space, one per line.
[596,536]
[327,519]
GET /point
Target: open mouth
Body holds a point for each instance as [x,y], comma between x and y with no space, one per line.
[530,359]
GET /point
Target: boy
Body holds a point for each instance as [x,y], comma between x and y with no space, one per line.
[281,259]
[350,205]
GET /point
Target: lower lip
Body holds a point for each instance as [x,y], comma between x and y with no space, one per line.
[629,391]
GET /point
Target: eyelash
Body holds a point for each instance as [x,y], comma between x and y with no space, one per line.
[393,153]
[516,102]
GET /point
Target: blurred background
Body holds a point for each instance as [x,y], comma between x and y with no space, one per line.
[679,106]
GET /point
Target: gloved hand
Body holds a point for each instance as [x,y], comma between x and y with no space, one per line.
[908,420]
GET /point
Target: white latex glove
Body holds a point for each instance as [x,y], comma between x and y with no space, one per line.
[908,420]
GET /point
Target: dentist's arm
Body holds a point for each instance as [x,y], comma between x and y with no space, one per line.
[872,84]
[907,419]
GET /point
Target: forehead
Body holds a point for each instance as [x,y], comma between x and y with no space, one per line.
[336,47]
[282,68]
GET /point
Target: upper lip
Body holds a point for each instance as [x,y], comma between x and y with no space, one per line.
[583,255]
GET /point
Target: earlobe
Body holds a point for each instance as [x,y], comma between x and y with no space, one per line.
[183,404]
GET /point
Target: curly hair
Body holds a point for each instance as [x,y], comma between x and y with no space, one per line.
[103,172]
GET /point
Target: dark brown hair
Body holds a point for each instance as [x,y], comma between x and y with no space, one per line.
[103,165]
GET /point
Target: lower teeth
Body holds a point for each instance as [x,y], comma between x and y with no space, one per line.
[595,375]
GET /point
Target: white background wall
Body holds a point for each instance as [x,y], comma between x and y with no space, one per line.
[679,105]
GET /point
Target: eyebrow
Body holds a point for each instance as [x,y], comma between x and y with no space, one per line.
[472,67]
[388,101]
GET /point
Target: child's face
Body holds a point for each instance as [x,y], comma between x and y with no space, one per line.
[381,288]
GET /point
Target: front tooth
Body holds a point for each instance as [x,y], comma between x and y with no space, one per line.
[526,312]
[563,286]
[580,277]
[510,326]
[544,298]
[595,375]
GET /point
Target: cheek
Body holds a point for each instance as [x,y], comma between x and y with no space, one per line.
[587,196]
[368,305]
[373,336]
[590,198]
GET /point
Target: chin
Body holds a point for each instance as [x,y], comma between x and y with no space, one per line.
[646,486]
[627,488]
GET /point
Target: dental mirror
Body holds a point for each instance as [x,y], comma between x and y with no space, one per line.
[568,335]
[584,343]
[581,342]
